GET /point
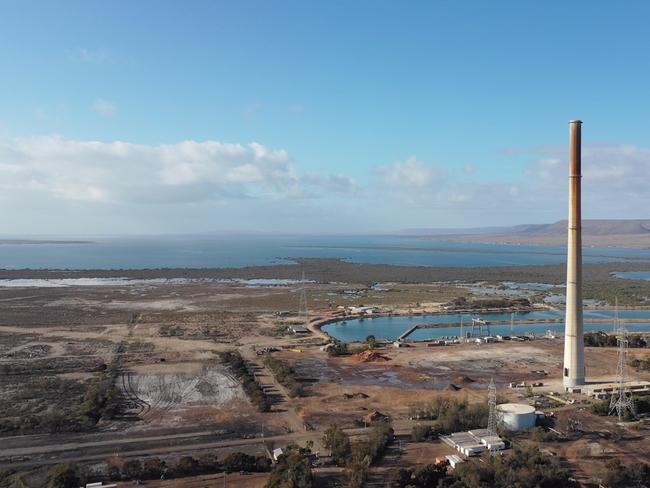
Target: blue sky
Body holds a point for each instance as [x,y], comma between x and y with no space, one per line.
[370,116]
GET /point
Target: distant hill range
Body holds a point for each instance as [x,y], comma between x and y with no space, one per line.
[605,233]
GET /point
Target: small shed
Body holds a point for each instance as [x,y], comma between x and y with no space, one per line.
[298,329]
[454,460]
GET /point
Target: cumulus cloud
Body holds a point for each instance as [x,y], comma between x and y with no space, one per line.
[124,172]
[614,186]
[253,180]
[104,108]
[411,174]
[335,183]
[607,169]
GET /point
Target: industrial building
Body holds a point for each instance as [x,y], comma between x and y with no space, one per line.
[474,442]
[453,460]
[605,390]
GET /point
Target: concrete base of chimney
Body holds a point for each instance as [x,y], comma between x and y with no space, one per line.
[573,382]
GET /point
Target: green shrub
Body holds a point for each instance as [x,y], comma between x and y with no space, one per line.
[420,433]
[253,390]
[285,375]
[63,476]
[338,442]
[292,470]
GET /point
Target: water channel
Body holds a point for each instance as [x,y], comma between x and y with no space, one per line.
[390,328]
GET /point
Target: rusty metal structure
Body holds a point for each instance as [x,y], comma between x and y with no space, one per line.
[574,361]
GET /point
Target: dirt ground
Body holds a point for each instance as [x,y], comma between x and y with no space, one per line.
[166,339]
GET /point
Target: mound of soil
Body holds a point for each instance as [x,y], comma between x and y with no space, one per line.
[367,356]
[349,396]
[466,380]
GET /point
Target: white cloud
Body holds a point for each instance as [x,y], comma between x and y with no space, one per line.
[615,179]
[336,183]
[411,174]
[188,171]
[253,186]
[104,108]
[611,173]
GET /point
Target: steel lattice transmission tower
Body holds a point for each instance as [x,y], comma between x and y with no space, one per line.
[621,399]
[492,404]
[480,327]
[303,311]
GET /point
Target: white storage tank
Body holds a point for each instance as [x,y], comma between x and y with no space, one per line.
[516,416]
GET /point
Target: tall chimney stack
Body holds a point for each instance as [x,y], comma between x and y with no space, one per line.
[574,359]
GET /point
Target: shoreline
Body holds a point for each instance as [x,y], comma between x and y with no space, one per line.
[325,270]
[27,242]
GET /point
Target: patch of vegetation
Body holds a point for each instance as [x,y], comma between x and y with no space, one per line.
[137,345]
[365,452]
[154,468]
[6,477]
[293,469]
[338,348]
[338,444]
[286,376]
[641,405]
[168,330]
[239,461]
[427,476]
[103,399]
[523,467]
[462,303]
[602,339]
[279,330]
[252,388]
[452,415]
[630,293]
[63,476]
[641,364]
[618,475]
[421,433]
[540,434]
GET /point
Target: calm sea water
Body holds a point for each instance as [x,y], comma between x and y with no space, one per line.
[202,252]
[390,328]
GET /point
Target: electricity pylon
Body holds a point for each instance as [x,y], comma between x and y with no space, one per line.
[621,399]
[492,404]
